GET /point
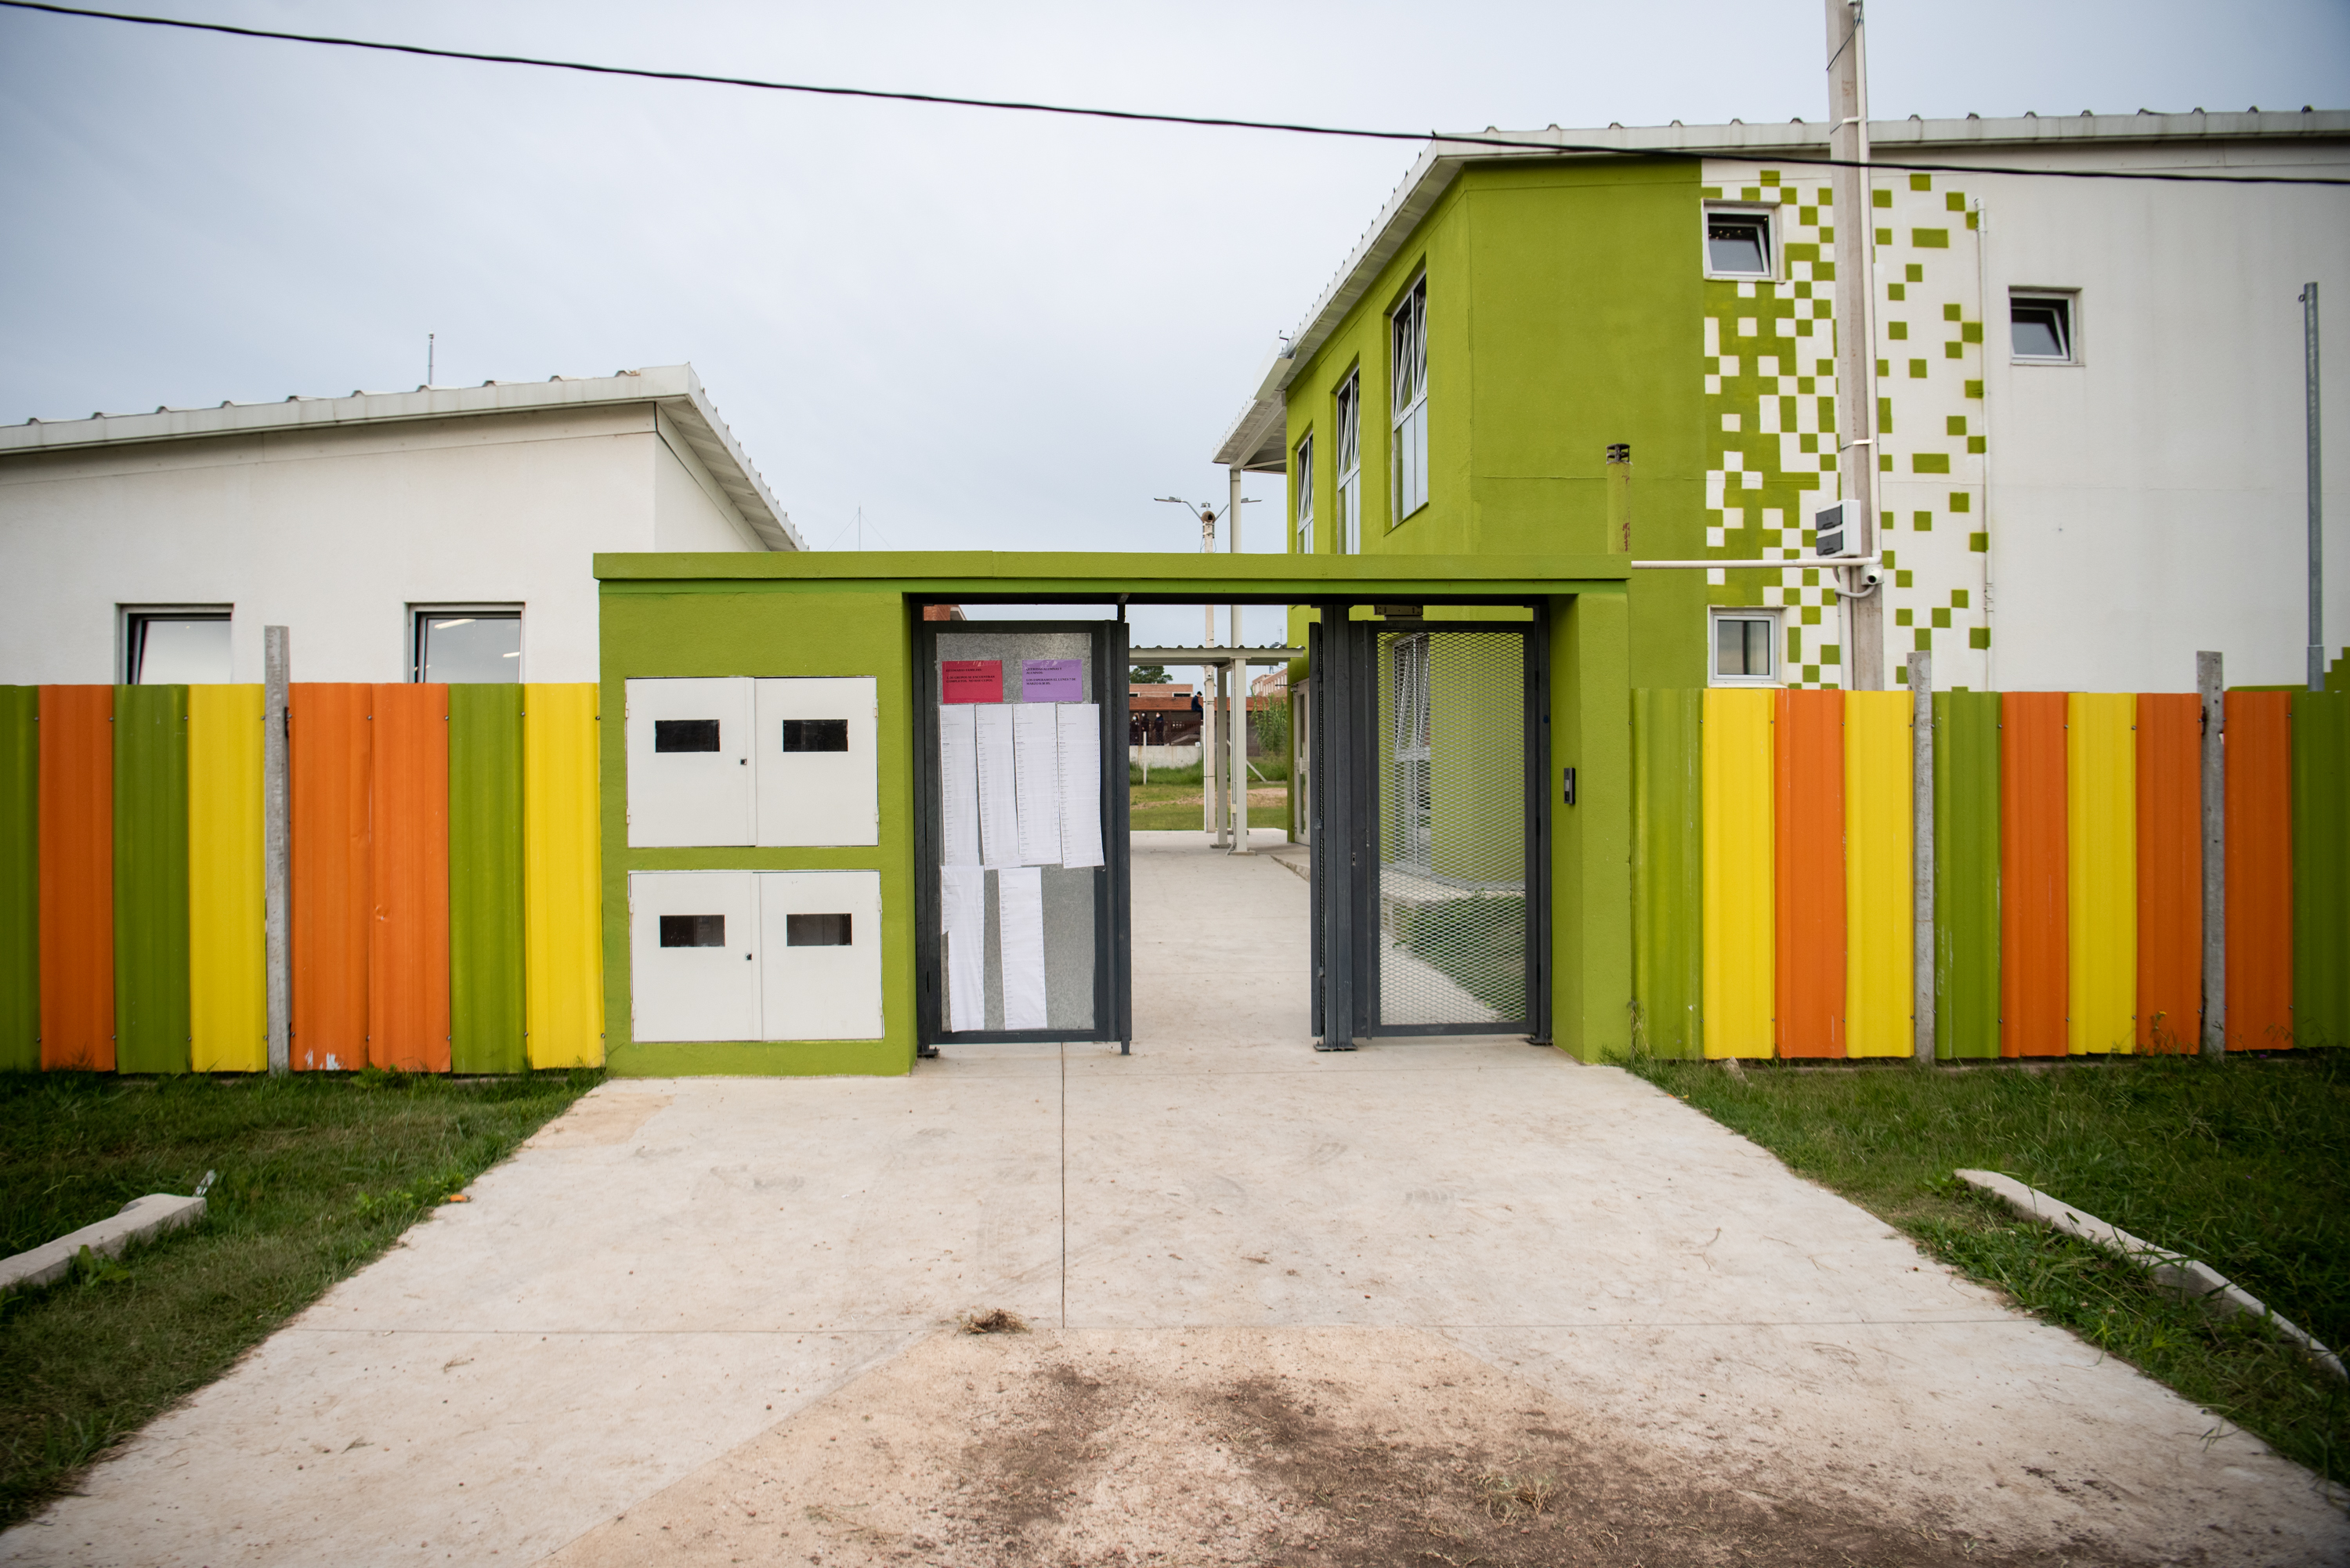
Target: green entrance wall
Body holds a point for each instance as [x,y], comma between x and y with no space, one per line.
[811,614]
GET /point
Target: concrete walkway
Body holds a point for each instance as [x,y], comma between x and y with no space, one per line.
[682,1279]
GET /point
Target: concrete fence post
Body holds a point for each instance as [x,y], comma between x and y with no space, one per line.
[1921,849]
[277,844]
[2210,687]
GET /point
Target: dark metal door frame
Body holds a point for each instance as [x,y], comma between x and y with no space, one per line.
[1344,656]
[1113,880]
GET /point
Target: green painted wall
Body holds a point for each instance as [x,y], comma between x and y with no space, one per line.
[1668,871]
[1566,306]
[1966,874]
[151,1006]
[485,880]
[770,628]
[20,878]
[1591,841]
[2321,868]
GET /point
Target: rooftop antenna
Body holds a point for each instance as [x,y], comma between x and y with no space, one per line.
[428,357]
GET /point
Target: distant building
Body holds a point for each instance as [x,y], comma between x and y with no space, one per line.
[445,534]
[2090,443]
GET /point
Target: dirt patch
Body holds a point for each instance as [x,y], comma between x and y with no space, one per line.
[599,1121]
[1302,1448]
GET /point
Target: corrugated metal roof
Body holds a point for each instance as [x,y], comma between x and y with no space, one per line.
[1254,440]
[675,389]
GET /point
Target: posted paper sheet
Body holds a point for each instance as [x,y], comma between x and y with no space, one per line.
[998,798]
[958,786]
[1020,917]
[1081,824]
[963,920]
[1036,760]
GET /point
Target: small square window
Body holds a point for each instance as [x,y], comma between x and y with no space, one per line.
[175,647]
[1738,245]
[1744,647]
[2040,328]
[466,646]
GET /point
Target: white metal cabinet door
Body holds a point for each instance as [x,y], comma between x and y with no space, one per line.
[694,950]
[818,775]
[821,954]
[690,773]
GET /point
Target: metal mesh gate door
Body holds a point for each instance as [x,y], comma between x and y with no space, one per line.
[1448,935]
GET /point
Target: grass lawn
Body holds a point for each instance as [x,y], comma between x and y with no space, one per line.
[317,1174]
[1171,798]
[2244,1164]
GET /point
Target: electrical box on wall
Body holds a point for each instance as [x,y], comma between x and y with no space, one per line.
[754,955]
[689,774]
[787,763]
[818,777]
[820,958]
[693,945]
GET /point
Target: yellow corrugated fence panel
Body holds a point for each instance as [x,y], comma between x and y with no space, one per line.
[2100,871]
[1735,789]
[563,958]
[228,990]
[1880,931]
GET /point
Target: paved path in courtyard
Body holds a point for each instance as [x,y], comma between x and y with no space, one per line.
[682,1284]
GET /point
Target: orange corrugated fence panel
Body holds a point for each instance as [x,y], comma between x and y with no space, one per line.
[2169,871]
[2259,729]
[76,877]
[332,761]
[408,941]
[1809,896]
[2034,970]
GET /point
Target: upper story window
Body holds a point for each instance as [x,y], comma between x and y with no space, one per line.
[1350,464]
[1738,243]
[1408,375]
[1746,647]
[1304,491]
[183,645]
[467,646]
[2041,327]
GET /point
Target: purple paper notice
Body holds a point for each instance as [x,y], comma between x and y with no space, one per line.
[1051,680]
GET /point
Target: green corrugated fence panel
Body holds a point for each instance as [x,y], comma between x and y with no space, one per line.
[1966,874]
[1668,864]
[2321,868]
[152,1015]
[20,878]
[486,879]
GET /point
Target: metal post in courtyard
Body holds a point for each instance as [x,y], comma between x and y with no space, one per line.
[2212,688]
[2316,496]
[1238,794]
[1921,849]
[277,846]
[1864,657]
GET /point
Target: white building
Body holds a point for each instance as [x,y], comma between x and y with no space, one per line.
[442,533]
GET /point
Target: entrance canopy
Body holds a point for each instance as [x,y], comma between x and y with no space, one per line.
[775,626]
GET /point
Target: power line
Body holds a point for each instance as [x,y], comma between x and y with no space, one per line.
[1143,117]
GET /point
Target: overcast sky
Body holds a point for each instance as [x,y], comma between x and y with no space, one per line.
[987,330]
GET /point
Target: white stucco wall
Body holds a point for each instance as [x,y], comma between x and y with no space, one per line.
[336,532]
[2149,500]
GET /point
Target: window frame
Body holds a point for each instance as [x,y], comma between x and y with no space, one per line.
[1302,492]
[1347,416]
[1775,617]
[418,614]
[130,623]
[1767,214]
[1406,317]
[2069,300]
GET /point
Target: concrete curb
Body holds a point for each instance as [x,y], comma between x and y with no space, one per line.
[135,1221]
[2197,1281]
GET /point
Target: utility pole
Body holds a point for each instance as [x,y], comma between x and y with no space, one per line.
[1856,297]
[2316,496]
